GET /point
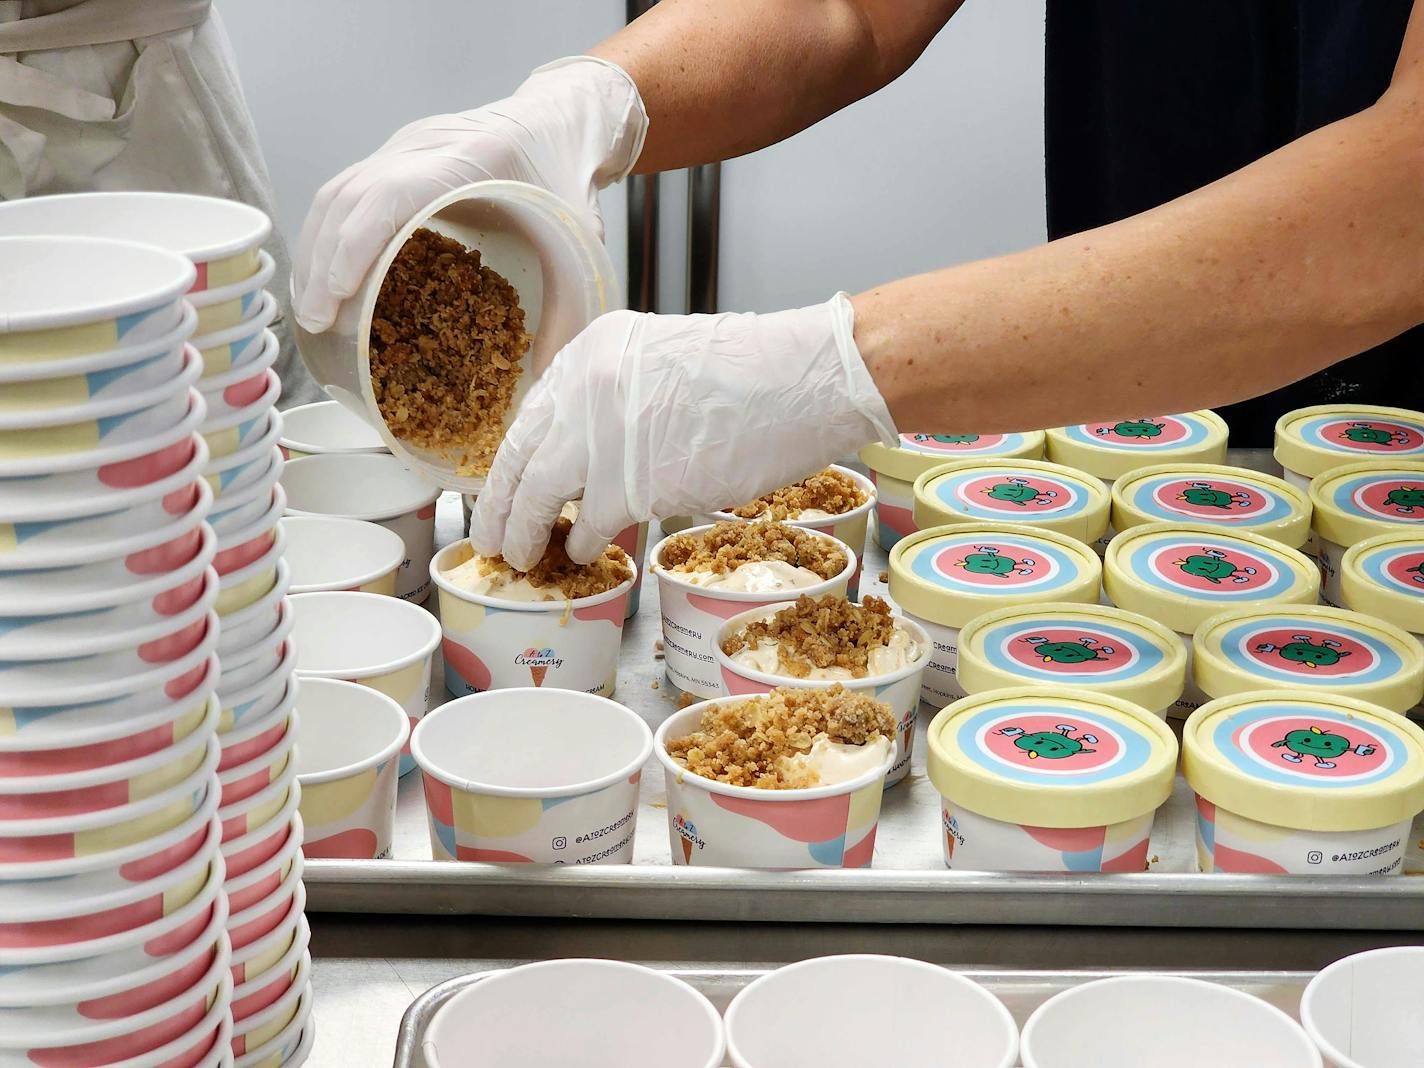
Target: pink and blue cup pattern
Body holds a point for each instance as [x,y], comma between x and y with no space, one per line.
[1228,501]
[1364,438]
[977,843]
[894,509]
[88,338]
[48,393]
[1219,570]
[1012,493]
[1299,651]
[633,540]
[984,564]
[1147,435]
[83,436]
[1075,652]
[351,818]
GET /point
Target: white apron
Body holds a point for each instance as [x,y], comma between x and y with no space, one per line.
[134,95]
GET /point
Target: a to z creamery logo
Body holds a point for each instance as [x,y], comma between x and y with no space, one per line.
[687,832]
[539,658]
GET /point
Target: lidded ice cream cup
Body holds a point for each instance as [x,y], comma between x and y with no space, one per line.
[1311,441]
[1361,501]
[1384,577]
[1229,497]
[1045,495]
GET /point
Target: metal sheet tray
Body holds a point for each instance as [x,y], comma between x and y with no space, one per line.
[1022,992]
[907,884]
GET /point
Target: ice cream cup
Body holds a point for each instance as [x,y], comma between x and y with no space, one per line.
[374,487]
[242,505]
[245,779]
[918,1008]
[532,777]
[265,879]
[1111,450]
[258,734]
[1182,574]
[245,585]
[247,926]
[633,540]
[1042,778]
[254,447]
[247,851]
[504,1019]
[328,554]
[243,403]
[242,546]
[380,642]
[1089,646]
[1360,1011]
[326,427]
[85,295]
[1034,492]
[1310,441]
[264,990]
[248,625]
[1128,1019]
[292,1046]
[1361,501]
[205,1045]
[893,470]
[493,643]
[1229,497]
[692,615]
[848,527]
[240,385]
[260,701]
[716,824]
[1309,648]
[1384,577]
[1293,783]
[223,307]
[45,402]
[102,369]
[260,660]
[258,1033]
[224,350]
[348,748]
[261,955]
[898,689]
[245,816]
[944,577]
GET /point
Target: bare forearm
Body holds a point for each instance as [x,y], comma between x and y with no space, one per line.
[726,78]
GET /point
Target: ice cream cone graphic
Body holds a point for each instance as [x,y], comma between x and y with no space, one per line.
[537,673]
[686,851]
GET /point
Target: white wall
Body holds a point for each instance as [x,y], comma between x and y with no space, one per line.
[943,166]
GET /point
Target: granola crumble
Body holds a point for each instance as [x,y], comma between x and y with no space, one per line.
[821,632]
[560,575]
[727,546]
[826,491]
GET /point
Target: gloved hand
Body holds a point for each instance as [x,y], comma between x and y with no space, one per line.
[657,415]
[575,126]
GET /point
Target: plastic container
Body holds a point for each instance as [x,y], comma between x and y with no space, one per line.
[944,577]
[1049,779]
[716,824]
[326,427]
[1033,492]
[1290,783]
[1361,501]
[898,689]
[376,488]
[918,1010]
[1360,1011]
[1309,648]
[326,553]
[1093,647]
[491,643]
[1229,497]
[610,1015]
[1384,577]
[532,777]
[561,271]
[1310,441]
[348,745]
[1182,574]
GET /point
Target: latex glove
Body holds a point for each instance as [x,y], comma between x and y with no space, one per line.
[575,126]
[657,415]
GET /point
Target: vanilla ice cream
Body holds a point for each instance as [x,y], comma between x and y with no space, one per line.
[901,651]
[835,762]
[756,576]
[472,577]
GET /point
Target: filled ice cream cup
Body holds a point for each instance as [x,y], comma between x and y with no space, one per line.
[290,1045]
[920,1010]
[243,817]
[693,614]
[1182,574]
[247,851]
[893,470]
[246,626]
[381,642]
[532,777]
[374,487]
[1230,497]
[224,350]
[716,824]
[247,926]
[944,577]
[101,370]
[1310,441]
[253,446]
[1049,779]
[243,780]
[244,585]
[633,540]
[259,701]
[240,506]
[1360,1011]
[261,881]
[1044,495]
[1361,501]
[258,993]
[223,307]
[348,761]
[327,554]
[494,643]
[1384,577]
[1131,1020]
[1309,648]
[1293,783]
[261,955]
[47,402]
[242,404]
[326,427]
[505,1019]
[900,689]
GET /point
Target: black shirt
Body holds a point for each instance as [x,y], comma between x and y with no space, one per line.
[1148,99]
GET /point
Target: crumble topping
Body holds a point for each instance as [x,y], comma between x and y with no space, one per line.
[828,492]
[821,632]
[555,572]
[728,545]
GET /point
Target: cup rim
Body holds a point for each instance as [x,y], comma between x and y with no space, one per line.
[287,815]
[429,767]
[248,369]
[393,540]
[233,417]
[280,713]
[311,448]
[867,486]
[266,603]
[393,512]
[291,958]
[427,646]
[284,674]
[278,753]
[285,781]
[246,328]
[1313,989]
[266,562]
[217,1019]
[119,356]
[245,495]
[287,888]
[207,298]
[92,408]
[289,926]
[301,1019]
[824,586]
[288,856]
[245,655]
[253,450]
[389,705]
[561,606]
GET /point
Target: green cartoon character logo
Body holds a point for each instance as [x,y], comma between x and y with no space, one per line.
[1018,491]
[1418,573]
[1322,746]
[1079,652]
[986,560]
[1369,434]
[1405,499]
[1133,428]
[1301,649]
[955,439]
[1212,565]
[1205,495]
[1057,744]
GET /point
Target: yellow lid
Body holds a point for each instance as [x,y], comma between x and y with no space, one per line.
[1092,646]
[1113,449]
[1308,647]
[1313,762]
[1183,573]
[949,575]
[1384,576]
[1310,441]
[1045,756]
[917,453]
[1360,501]
[1013,491]
[1230,497]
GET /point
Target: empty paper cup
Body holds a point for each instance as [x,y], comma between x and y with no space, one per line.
[246,585]
[100,371]
[100,394]
[1361,1011]
[259,956]
[1163,1021]
[504,1020]
[275,1036]
[224,350]
[243,403]
[495,643]
[349,743]
[1362,501]
[260,882]
[374,487]
[328,554]
[715,824]
[916,1013]
[532,776]
[326,427]
[241,506]
[380,642]
[259,701]
[223,307]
